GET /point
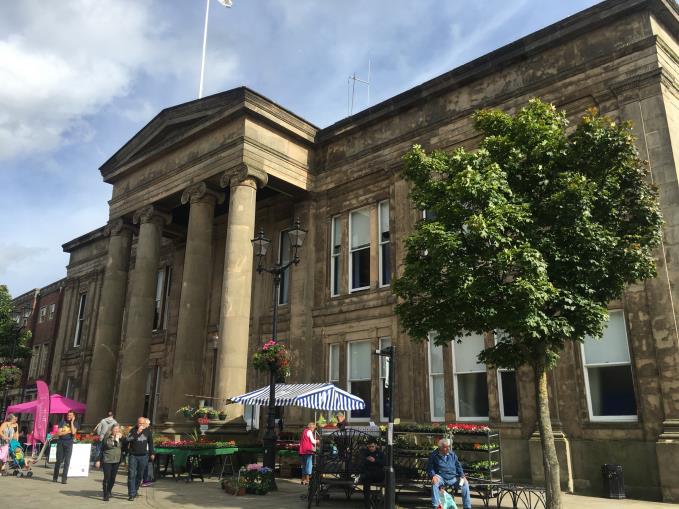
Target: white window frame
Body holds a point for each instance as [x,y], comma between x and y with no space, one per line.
[70,388]
[500,394]
[384,342]
[285,283]
[503,417]
[253,421]
[585,366]
[350,380]
[335,257]
[80,320]
[333,354]
[42,314]
[457,393]
[382,243]
[431,337]
[351,252]
[52,310]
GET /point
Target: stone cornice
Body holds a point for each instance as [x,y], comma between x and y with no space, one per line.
[151,214]
[83,240]
[201,191]
[238,174]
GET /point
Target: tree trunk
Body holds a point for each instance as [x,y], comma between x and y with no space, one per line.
[550,461]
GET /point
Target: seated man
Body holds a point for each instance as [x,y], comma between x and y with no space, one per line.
[373,469]
[445,470]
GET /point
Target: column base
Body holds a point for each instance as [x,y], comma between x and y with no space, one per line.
[667,452]
[563,453]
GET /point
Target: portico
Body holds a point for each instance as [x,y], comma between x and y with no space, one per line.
[172,194]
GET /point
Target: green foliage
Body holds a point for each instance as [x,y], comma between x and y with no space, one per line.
[14,351]
[532,234]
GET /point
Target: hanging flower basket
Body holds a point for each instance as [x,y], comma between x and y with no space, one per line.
[273,356]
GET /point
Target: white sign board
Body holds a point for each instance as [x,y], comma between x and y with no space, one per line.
[80,460]
[52,457]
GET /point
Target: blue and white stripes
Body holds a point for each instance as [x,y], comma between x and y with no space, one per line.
[321,396]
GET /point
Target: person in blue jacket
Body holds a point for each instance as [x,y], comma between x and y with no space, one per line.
[445,470]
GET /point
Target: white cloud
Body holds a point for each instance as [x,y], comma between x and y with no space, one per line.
[63,61]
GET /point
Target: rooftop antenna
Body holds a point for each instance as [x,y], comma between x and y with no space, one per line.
[351,89]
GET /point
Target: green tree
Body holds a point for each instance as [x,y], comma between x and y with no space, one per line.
[533,234]
[14,351]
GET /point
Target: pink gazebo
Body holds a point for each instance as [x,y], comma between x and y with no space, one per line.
[58,405]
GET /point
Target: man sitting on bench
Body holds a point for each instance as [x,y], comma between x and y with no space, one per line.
[445,469]
[373,469]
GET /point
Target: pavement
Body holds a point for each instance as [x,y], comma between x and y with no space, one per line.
[40,492]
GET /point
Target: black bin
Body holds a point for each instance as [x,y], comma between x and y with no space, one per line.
[614,482]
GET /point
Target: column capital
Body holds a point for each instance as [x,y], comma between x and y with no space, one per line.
[116,227]
[238,174]
[200,191]
[151,214]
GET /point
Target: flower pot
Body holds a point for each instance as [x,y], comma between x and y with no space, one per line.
[240,492]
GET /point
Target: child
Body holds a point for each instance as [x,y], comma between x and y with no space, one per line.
[447,501]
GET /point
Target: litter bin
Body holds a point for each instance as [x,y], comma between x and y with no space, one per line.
[614,482]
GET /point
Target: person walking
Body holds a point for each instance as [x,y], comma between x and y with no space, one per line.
[307,447]
[8,431]
[139,444]
[109,458]
[101,429]
[148,479]
[66,433]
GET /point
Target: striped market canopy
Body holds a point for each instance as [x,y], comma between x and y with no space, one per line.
[322,396]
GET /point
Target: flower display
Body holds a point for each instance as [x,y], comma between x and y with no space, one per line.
[273,356]
[467,428]
[256,478]
[192,444]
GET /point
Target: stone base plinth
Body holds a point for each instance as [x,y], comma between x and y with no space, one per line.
[667,451]
[563,453]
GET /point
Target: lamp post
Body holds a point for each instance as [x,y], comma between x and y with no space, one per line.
[261,245]
[17,330]
[389,473]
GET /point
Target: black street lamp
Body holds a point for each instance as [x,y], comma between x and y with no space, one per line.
[261,245]
[389,473]
[17,330]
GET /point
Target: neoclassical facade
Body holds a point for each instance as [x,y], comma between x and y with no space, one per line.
[162,305]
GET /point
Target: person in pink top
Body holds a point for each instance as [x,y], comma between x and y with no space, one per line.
[307,447]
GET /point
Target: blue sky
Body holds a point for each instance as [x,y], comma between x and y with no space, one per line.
[78,78]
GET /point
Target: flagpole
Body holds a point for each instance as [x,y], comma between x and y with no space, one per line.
[202,62]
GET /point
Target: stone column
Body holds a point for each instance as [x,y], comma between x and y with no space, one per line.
[192,322]
[109,322]
[234,319]
[140,314]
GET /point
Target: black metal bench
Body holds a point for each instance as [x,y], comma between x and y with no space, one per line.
[338,465]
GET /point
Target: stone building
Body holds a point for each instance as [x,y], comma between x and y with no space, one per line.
[164,302]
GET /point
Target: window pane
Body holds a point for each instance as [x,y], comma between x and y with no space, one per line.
[336,234]
[612,391]
[159,298]
[436,358]
[360,228]
[384,343]
[384,221]
[510,400]
[466,353]
[334,363]
[612,347]
[438,410]
[362,390]
[386,402]
[385,254]
[335,275]
[359,360]
[360,268]
[472,395]
[429,215]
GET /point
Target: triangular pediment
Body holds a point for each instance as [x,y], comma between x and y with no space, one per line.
[170,127]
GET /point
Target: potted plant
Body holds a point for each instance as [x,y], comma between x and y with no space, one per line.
[256,479]
[222,415]
[321,422]
[212,414]
[273,356]
[187,411]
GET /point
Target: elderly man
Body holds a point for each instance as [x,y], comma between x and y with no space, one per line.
[139,442]
[445,470]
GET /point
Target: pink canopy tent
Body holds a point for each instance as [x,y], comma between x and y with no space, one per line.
[58,405]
